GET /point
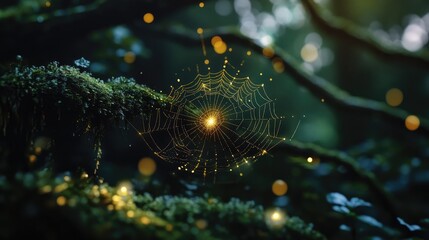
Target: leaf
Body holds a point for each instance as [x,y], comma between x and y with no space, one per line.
[336,198]
[370,221]
[340,199]
[410,227]
[345,228]
[341,209]
[357,202]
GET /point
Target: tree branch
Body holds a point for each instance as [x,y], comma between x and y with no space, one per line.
[32,95]
[233,219]
[28,34]
[295,148]
[318,86]
[39,93]
[347,31]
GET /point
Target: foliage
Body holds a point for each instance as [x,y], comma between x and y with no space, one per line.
[63,205]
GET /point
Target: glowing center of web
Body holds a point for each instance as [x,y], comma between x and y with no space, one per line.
[211,120]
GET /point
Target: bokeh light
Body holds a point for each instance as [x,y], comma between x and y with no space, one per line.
[148,18]
[145,220]
[278,65]
[201,224]
[129,57]
[309,53]
[412,122]
[220,47]
[32,158]
[313,161]
[394,97]
[215,39]
[268,52]
[61,201]
[279,187]
[124,188]
[147,166]
[414,37]
[275,218]
[130,213]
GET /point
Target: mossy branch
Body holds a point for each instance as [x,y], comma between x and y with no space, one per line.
[65,88]
[349,32]
[55,90]
[69,206]
[318,86]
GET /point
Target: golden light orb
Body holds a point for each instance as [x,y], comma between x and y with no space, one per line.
[147,166]
[412,122]
[220,47]
[130,213]
[61,201]
[215,39]
[32,158]
[279,187]
[211,120]
[148,18]
[394,97]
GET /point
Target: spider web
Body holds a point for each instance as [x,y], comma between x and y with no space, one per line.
[215,122]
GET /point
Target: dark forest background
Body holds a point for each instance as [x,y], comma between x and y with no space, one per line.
[354,73]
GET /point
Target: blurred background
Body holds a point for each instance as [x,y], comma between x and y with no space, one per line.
[154,42]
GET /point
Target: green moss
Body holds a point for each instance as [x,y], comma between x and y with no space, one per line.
[56,90]
[64,204]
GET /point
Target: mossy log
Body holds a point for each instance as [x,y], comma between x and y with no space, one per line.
[69,207]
